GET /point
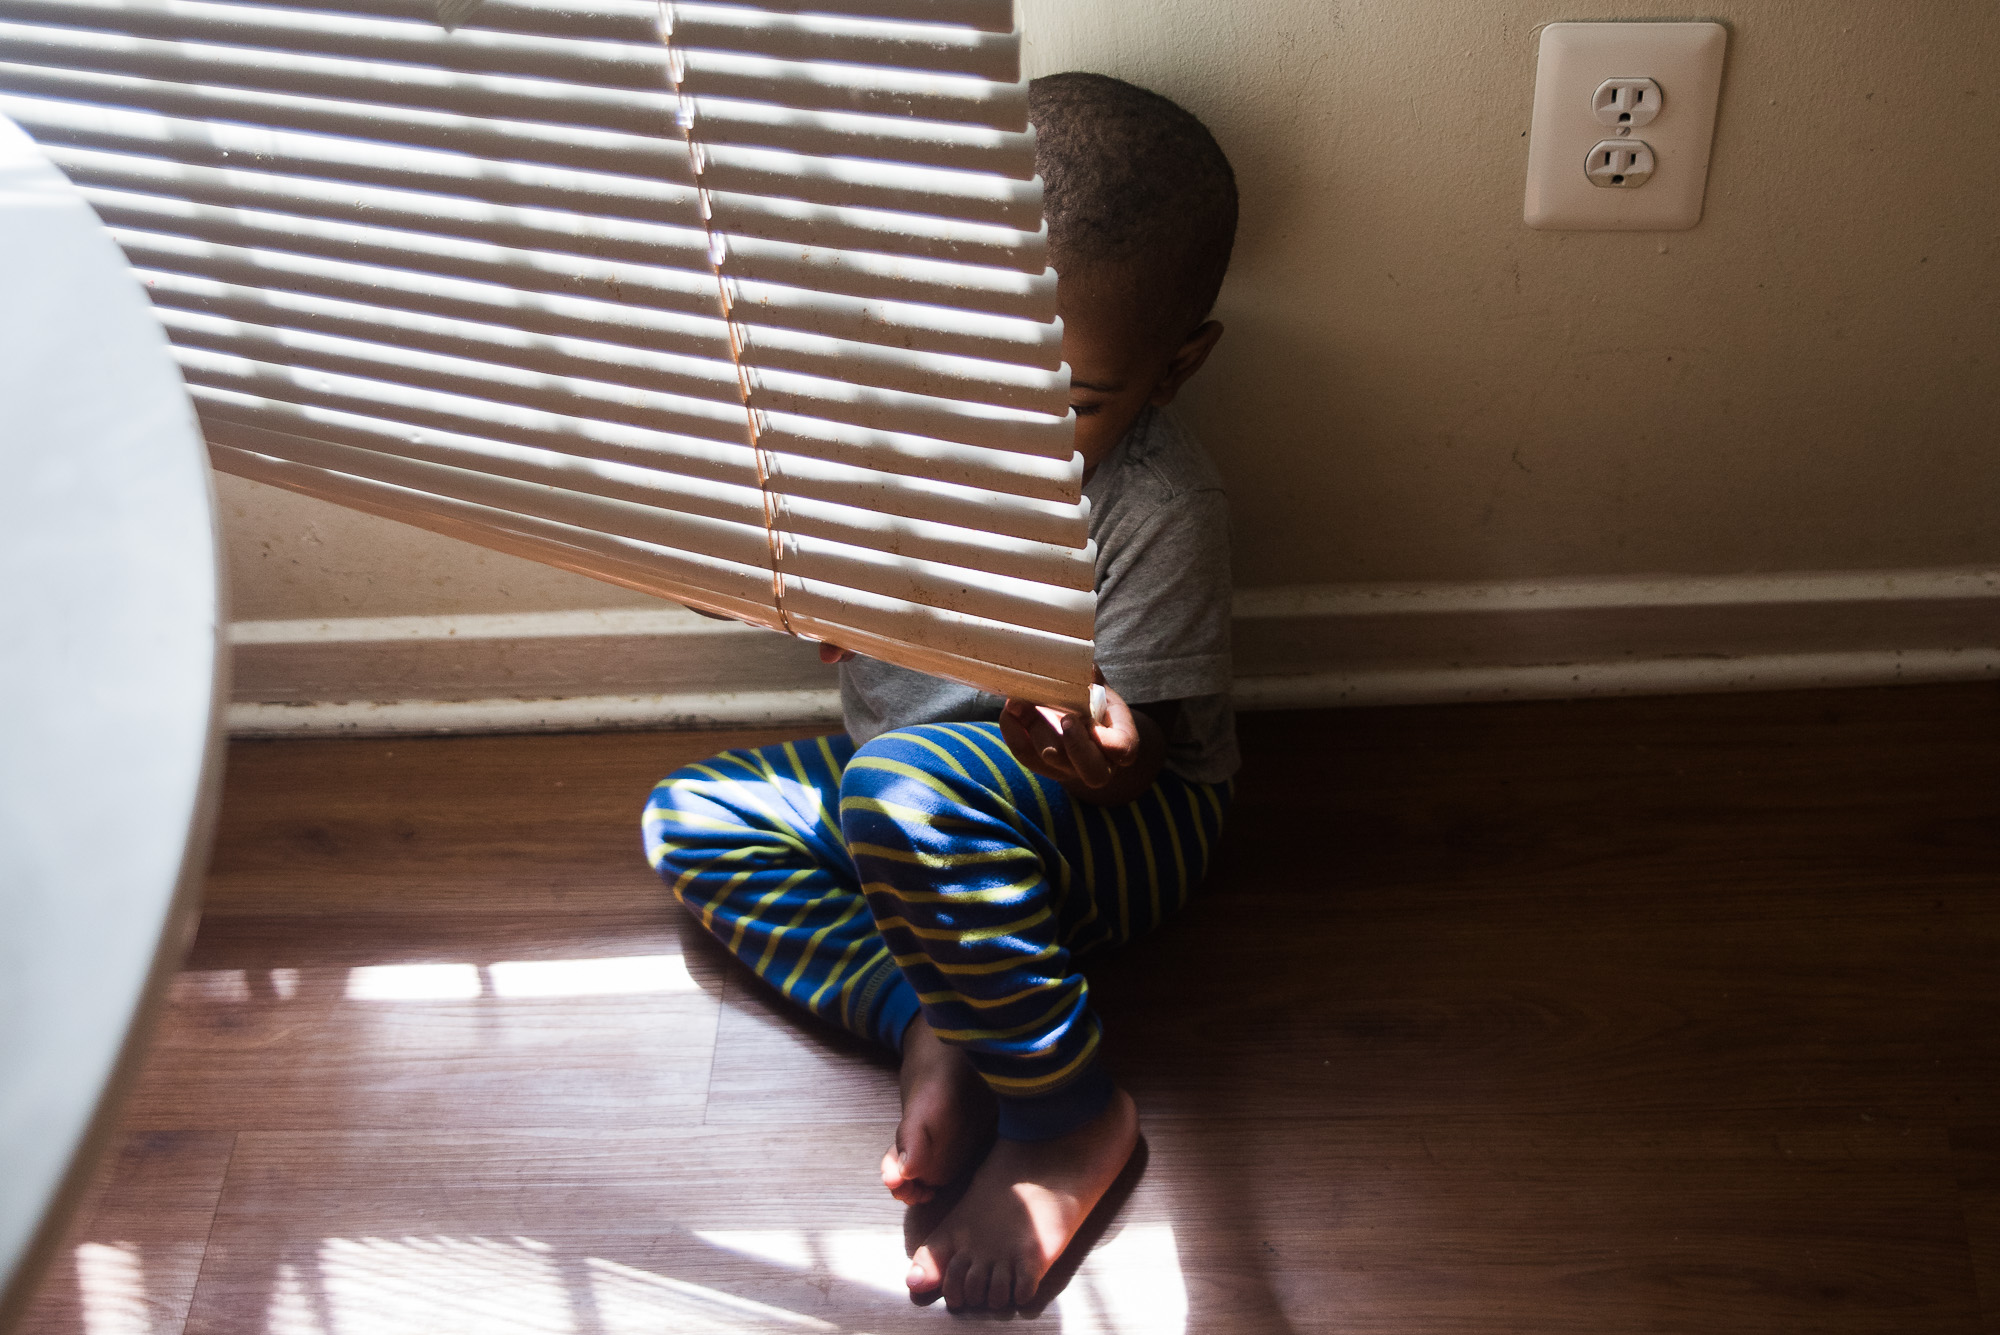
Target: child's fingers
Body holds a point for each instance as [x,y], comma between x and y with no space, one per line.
[1016,737]
[1118,736]
[1054,732]
[1085,755]
[1033,743]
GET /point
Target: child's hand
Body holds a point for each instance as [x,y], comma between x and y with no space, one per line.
[1108,763]
[833,653]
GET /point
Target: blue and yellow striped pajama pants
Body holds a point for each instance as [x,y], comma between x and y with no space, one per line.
[929,870]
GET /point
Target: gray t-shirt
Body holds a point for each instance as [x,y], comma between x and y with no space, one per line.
[1161,522]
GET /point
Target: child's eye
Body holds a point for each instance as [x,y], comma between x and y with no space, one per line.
[1086,409]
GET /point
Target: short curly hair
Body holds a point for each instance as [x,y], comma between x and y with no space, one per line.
[1133,182]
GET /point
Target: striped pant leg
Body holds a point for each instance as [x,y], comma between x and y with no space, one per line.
[989,883]
[1144,860]
[750,844]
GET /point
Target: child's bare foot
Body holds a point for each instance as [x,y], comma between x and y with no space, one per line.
[1024,1205]
[948,1114]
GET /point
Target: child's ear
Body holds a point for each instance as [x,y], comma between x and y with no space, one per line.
[1187,359]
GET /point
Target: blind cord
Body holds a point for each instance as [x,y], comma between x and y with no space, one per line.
[718,251]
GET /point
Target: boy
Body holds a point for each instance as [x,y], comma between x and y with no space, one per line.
[929,879]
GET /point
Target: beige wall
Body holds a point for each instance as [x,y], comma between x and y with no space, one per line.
[1416,387]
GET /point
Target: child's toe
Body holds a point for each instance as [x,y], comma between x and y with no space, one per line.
[926,1274]
[1000,1288]
[978,1282]
[954,1281]
[1027,1279]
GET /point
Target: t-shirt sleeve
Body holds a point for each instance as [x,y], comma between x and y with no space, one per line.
[1163,603]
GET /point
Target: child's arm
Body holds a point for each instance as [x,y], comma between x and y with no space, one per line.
[1106,764]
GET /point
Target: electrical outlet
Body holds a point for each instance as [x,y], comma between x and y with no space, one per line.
[1594,77]
[1620,164]
[1632,102]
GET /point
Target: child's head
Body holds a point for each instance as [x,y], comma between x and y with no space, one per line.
[1141,209]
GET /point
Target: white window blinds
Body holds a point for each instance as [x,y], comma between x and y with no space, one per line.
[744,305]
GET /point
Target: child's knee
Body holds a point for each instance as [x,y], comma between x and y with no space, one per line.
[928,770]
[954,749]
[684,814]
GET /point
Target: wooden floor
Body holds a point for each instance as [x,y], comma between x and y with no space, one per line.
[1644,1015]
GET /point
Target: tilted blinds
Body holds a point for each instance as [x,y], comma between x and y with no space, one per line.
[744,305]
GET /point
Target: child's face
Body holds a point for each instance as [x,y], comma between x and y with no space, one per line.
[1118,366]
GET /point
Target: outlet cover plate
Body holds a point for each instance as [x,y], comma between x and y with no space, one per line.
[1685,60]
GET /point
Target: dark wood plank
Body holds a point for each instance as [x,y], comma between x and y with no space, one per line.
[130,1261]
[1752,902]
[1598,1225]
[773,1064]
[422,1022]
[468,825]
[1976,1152]
[1711,797]
[682,1229]
[1584,1225]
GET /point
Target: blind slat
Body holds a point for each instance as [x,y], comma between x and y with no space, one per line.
[392,401]
[111,177]
[987,15]
[989,677]
[165,228]
[952,633]
[517,98]
[320,296]
[687,389]
[828,563]
[305,355]
[895,187]
[513,97]
[700,472]
[846,182]
[1061,523]
[715,585]
[941,543]
[929,47]
[637,20]
[683,460]
[245,421]
[1010,154]
[1022,604]
[949,633]
[612,64]
[575,344]
[1033,430]
[469,51]
[676,530]
[822,87]
[874,452]
[218,145]
[837,442]
[908,325]
[583,148]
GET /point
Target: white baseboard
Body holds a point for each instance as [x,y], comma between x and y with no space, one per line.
[581,713]
[1296,647]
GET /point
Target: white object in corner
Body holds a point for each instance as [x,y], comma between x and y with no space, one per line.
[111,684]
[1612,95]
